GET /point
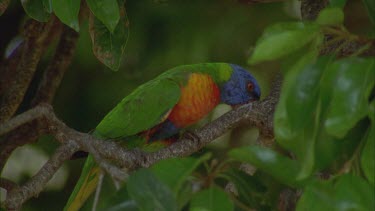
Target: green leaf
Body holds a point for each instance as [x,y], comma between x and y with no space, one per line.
[3,6]
[175,171]
[125,205]
[184,195]
[370,6]
[356,191]
[67,11]
[47,4]
[35,9]
[211,199]
[302,99]
[250,189]
[283,130]
[350,92]
[330,16]
[317,196]
[270,162]
[337,3]
[347,192]
[368,152]
[109,47]
[107,11]
[149,192]
[282,39]
[302,109]
[118,201]
[296,125]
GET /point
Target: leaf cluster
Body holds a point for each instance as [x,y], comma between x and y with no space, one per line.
[324,125]
[108,26]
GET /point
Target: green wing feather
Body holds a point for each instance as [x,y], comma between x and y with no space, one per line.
[140,110]
[144,108]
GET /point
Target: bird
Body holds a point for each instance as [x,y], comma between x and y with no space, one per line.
[157,111]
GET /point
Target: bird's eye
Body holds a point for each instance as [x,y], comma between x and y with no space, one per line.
[250,87]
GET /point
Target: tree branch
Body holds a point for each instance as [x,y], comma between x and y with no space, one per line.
[55,71]
[7,184]
[106,152]
[17,196]
[256,114]
[47,87]
[35,33]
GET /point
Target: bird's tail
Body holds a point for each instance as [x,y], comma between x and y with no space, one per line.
[85,187]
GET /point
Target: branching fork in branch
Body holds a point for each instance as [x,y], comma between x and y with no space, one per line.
[107,152]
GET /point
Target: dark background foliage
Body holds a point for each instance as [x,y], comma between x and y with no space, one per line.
[164,34]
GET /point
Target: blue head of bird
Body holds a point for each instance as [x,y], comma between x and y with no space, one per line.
[240,89]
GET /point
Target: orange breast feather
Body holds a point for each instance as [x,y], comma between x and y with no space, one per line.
[198,97]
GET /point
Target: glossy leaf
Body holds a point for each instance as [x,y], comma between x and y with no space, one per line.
[67,11]
[270,162]
[35,9]
[175,171]
[211,199]
[370,6]
[126,205]
[107,11]
[350,92]
[282,39]
[149,192]
[330,16]
[348,192]
[356,190]
[119,201]
[184,194]
[109,47]
[283,130]
[302,108]
[368,152]
[337,3]
[296,125]
[47,5]
[302,99]
[250,189]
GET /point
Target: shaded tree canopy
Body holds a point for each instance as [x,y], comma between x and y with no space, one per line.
[308,144]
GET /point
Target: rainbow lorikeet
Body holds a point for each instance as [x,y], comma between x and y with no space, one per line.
[160,108]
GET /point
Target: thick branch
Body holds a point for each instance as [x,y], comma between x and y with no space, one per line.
[47,87]
[35,32]
[257,113]
[55,71]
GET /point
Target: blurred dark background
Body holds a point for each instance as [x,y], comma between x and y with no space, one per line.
[163,34]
